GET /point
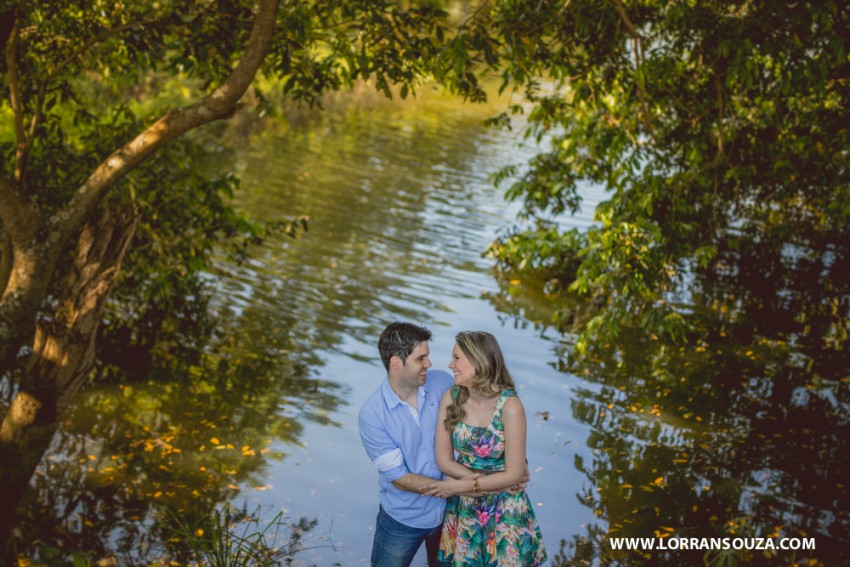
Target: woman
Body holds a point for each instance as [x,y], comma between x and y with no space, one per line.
[484,421]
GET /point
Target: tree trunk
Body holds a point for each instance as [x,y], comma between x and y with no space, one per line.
[30,268]
[61,359]
[63,347]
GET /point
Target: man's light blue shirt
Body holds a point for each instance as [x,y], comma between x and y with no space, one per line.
[398,443]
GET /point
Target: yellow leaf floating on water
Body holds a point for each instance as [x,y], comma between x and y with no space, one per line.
[516,282]
[232,487]
[214,441]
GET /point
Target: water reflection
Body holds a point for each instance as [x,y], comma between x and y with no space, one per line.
[400,211]
[741,432]
[392,214]
[131,458]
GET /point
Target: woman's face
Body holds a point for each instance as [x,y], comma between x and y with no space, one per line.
[463,370]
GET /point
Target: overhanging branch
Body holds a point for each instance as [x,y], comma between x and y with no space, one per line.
[219,104]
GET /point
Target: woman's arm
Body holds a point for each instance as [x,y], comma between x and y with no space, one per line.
[443,449]
[513,419]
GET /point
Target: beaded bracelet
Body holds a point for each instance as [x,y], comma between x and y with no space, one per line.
[475,488]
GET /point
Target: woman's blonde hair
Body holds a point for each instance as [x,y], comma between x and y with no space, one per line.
[491,373]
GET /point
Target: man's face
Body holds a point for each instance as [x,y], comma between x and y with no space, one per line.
[415,366]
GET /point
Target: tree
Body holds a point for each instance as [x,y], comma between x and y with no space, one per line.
[80,83]
[706,123]
[719,131]
[45,52]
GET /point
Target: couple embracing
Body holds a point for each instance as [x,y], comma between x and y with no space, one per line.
[450,455]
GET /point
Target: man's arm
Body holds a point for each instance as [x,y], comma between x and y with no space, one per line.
[385,454]
[412,482]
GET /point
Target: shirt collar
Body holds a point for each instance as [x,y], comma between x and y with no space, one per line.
[392,399]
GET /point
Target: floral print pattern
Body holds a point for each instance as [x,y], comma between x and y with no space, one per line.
[497,529]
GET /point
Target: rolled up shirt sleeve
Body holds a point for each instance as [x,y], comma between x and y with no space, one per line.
[385,454]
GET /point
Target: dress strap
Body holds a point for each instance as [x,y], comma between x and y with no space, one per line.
[503,397]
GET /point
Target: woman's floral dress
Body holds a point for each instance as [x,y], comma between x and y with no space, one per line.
[497,529]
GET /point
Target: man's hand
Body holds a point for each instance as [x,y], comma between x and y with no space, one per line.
[523,484]
[519,487]
[448,488]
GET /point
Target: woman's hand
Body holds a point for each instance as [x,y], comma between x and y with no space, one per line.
[450,487]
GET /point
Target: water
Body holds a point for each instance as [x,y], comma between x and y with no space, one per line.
[743,430]
[401,210]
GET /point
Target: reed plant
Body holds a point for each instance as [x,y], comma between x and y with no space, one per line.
[232,538]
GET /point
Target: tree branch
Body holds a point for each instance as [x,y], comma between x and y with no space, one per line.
[721,110]
[621,11]
[15,100]
[638,51]
[219,104]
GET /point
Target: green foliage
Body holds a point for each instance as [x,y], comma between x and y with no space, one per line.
[545,251]
[91,75]
[231,539]
[703,121]
[716,435]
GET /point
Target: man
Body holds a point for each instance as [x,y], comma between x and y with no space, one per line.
[397,426]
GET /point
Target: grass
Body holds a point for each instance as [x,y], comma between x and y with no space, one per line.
[229,538]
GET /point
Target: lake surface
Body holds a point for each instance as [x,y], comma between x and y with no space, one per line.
[401,210]
[741,431]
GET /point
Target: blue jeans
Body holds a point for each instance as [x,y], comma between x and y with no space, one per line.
[395,544]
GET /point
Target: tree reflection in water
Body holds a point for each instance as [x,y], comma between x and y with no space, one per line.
[740,431]
[179,442]
[385,188]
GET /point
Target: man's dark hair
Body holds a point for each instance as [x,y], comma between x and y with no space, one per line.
[399,339]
